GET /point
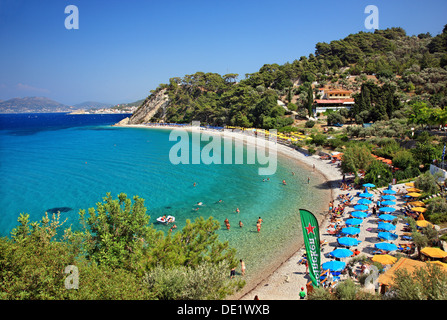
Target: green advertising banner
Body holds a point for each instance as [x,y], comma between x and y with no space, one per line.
[311,234]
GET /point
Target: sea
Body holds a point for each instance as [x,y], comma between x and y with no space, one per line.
[61,162]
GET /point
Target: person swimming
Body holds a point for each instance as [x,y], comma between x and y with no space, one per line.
[284,182]
[237,210]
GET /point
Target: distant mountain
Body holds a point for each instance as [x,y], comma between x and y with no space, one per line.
[93,105]
[33,104]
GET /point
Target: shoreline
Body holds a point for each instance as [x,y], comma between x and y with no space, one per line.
[274,276]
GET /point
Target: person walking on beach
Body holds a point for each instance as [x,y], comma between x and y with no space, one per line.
[302,293]
[232,273]
[308,180]
[242,267]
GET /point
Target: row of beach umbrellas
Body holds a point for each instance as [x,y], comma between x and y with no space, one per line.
[359,214]
[384,227]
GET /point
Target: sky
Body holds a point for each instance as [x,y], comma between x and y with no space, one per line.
[124,49]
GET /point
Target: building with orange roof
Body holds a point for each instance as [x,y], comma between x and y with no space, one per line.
[386,279]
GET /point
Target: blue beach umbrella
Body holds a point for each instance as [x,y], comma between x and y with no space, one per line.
[333,265]
[347,241]
[350,230]
[353,221]
[360,207]
[386,226]
[359,214]
[388,197]
[387,217]
[387,235]
[386,246]
[366,195]
[387,209]
[364,201]
[341,253]
[388,203]
[389,191]
[369,185]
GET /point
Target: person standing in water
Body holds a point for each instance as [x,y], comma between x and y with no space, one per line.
[242,267]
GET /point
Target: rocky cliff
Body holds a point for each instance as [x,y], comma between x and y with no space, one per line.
[157,102]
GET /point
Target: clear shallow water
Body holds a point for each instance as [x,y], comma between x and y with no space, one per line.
[60,162]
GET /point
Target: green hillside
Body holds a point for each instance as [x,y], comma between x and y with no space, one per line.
[406,68]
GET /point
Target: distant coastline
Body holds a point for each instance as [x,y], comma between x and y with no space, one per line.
[114,111]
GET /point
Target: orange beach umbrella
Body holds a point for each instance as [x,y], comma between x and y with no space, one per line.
[434,252]
[423,223]
[417,203]
[384,259]
[414,194]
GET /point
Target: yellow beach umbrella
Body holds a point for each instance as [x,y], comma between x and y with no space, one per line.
[419,209]
[434,252]
[423,223]
[414,194]
[384,259]
[410,184]
[414,190]
[417,203]
[439,263]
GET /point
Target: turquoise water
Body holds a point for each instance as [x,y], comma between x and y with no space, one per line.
[73,168]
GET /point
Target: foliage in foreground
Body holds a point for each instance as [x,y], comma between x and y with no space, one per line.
[118,255]
[428,283]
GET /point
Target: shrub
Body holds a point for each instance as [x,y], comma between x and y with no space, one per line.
[310,124]
[206,281]
[427,183]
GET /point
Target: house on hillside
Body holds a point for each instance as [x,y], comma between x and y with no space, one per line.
[335,99]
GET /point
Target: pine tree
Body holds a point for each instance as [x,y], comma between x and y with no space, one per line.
[310,100]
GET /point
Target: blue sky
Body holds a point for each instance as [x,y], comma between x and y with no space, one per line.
[124,49]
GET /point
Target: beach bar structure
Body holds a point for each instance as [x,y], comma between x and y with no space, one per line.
[386,279]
